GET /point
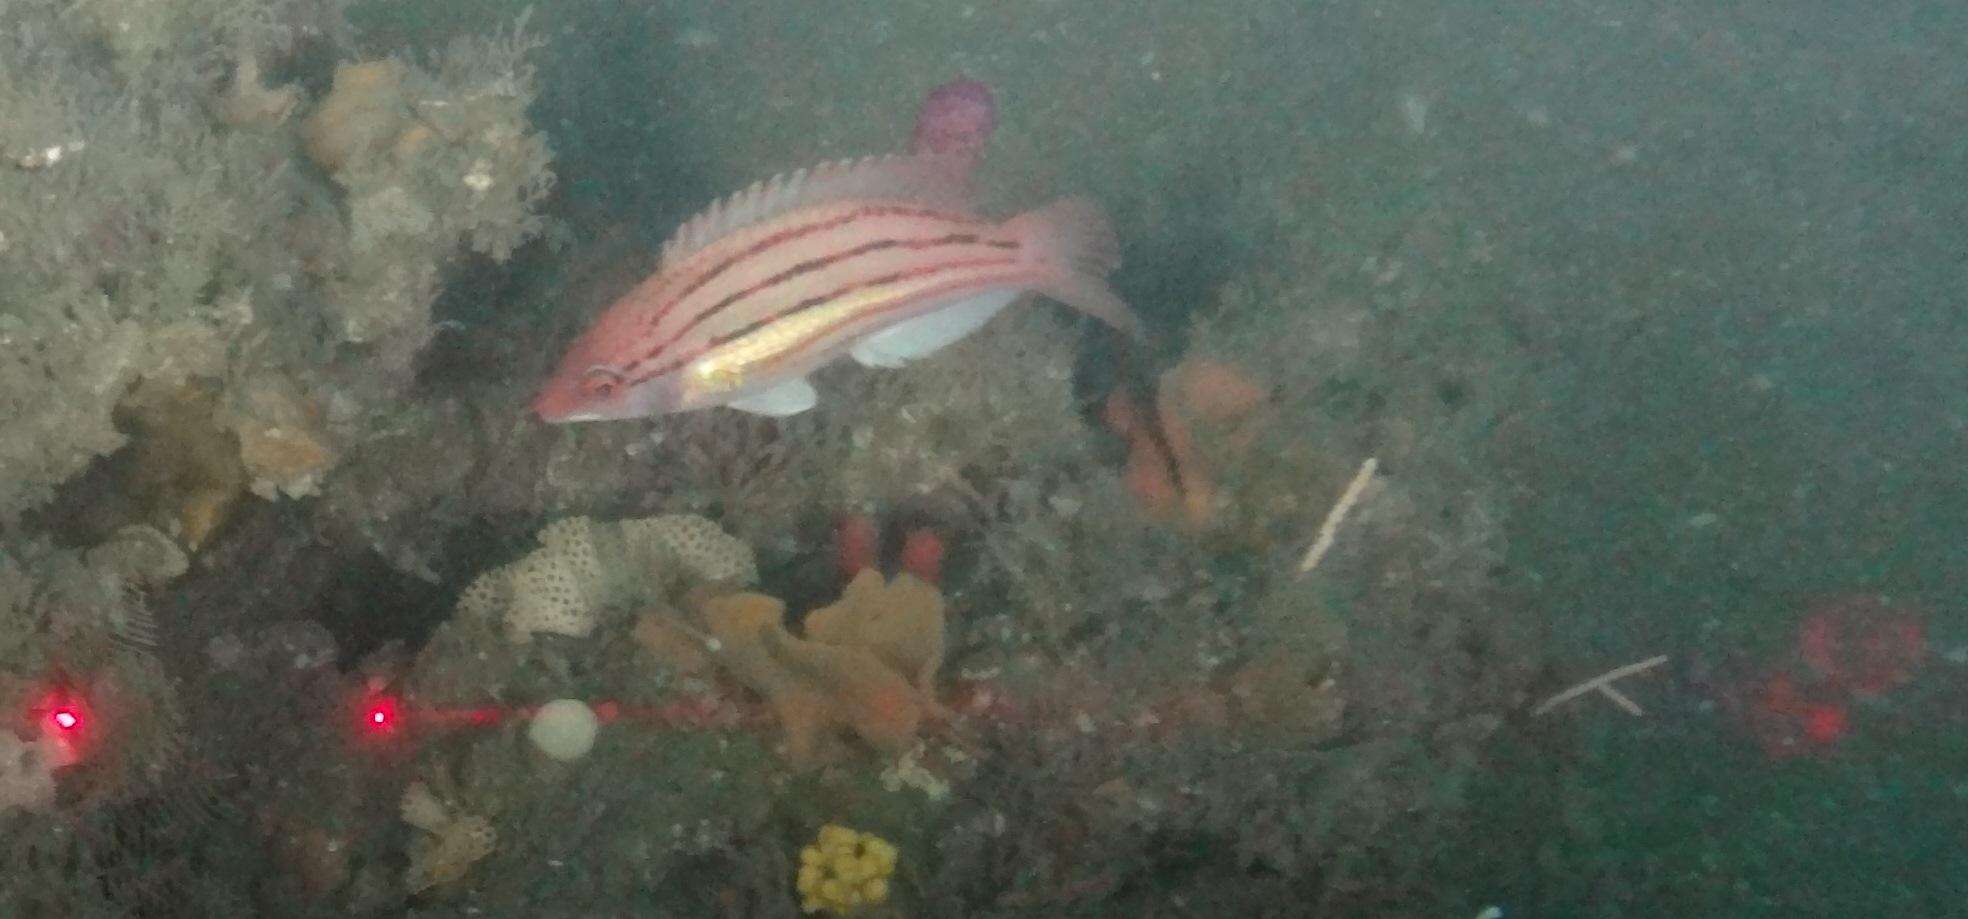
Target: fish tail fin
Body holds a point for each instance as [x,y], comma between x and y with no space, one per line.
[1071,232]
[1073,238]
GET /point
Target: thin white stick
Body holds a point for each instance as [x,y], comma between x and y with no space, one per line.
[1602,681]
[1337,515]
[1620,699]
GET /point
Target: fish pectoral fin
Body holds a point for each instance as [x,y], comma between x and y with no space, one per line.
[914,339]
[779,401]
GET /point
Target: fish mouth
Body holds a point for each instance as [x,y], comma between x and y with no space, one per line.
[561,401]
[555,410]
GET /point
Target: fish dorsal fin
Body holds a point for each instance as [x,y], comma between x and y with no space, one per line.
[930,180]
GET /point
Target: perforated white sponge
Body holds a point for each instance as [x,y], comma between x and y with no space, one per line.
[583,566]
[696,545]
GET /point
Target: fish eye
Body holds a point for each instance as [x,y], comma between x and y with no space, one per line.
[600,381]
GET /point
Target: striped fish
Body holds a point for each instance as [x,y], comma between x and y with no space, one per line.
[879,259]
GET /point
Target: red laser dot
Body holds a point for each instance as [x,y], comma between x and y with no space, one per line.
[65,718]
[381,716]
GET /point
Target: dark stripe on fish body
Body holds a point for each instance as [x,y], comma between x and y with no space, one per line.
[790,234]
[809,266]
[793,273]
[821,300]
[775,360]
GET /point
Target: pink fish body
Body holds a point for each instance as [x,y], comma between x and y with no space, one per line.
[879,259]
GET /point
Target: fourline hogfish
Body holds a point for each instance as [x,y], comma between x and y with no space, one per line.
[881,259]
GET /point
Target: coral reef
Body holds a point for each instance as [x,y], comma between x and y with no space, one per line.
[511,638]
[271,218]
[424,166]
[255,363]
[1073,559]
[994,409]
[757,472]
[199,318]
[76,627]
[161,236]
[1372,360]
[153,40]
[93,735]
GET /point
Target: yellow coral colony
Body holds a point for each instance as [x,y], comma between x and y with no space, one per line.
[844,870]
